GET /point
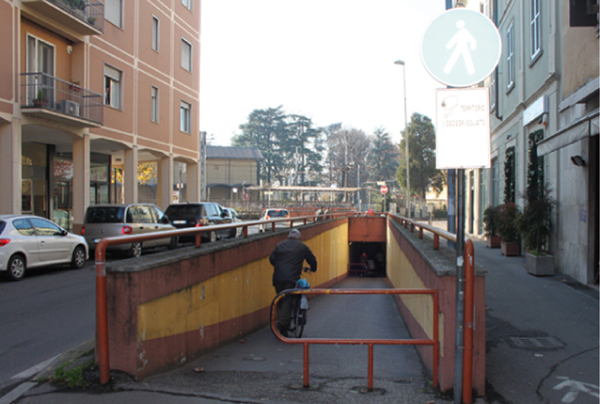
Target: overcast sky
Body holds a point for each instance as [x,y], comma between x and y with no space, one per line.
[330,60]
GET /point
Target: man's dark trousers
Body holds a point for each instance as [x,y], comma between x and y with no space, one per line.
[284,306]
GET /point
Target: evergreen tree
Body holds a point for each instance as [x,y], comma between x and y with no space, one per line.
[383,156]
[421,145]
[264,130]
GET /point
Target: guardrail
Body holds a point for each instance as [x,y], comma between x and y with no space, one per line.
[100,255]
[361,341]
[469,265]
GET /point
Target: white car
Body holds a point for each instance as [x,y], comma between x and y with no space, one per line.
[268,214]
[28,241]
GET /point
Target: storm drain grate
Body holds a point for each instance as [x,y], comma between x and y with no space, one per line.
[541,342]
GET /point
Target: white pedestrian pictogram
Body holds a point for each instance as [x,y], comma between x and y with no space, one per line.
[575,388]
[462,41]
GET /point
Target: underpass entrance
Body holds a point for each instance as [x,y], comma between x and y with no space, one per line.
[367,259]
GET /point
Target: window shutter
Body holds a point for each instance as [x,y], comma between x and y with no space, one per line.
[112,11]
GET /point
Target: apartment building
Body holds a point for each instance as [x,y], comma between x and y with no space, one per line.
[89,91]
[544,94]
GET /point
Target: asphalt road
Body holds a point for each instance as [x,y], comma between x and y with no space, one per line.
[50,311]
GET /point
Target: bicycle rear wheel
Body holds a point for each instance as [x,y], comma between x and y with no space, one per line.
[298,318]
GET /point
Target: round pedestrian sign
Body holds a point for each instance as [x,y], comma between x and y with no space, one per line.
[384,189]
[461,47]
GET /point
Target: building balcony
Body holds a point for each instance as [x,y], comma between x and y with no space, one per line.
[81,16]
[52,98]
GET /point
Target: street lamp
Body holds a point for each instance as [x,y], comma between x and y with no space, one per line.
[401,62]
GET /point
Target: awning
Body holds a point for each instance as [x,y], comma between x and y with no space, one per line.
[580,129]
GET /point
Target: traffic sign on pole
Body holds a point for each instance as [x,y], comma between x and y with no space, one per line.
[461,47]
[384,189]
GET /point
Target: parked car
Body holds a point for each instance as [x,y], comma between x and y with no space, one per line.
[28,241]
[186,215]
[133,219]
[268,214]
[235,218]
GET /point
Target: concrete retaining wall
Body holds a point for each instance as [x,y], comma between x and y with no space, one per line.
[168,308]
[412,263]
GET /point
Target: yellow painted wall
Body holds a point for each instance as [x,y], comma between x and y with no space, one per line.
[403,276]
[238,292]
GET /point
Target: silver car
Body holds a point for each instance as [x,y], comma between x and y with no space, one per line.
[235,218]
[133,219]
[28,241]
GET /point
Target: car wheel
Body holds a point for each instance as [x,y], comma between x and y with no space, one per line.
[135,250]
[16,268]
[173,243]
[78,260]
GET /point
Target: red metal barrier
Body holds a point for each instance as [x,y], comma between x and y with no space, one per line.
[101,305]
[362,341]
[357,268]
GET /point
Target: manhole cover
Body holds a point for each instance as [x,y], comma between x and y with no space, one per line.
[536,343]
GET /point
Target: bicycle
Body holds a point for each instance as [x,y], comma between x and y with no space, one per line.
[299,308]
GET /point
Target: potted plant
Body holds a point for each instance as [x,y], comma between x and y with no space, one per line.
[508,229]
[39,101]
[75,85]
[535,224]
[490,221]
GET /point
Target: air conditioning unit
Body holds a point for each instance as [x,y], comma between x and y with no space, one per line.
[70,107]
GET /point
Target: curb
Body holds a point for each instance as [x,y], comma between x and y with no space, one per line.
[73,356]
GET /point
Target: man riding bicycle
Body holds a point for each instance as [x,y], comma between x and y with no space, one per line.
[287,258]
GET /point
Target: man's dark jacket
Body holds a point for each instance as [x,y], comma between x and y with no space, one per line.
[287,258]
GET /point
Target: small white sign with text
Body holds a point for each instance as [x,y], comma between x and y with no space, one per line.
[463,128]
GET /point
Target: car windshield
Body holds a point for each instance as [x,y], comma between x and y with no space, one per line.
[277,213]
[183,211]
[107,214]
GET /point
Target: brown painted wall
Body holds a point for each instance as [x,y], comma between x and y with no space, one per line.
[368,230]
[128,288]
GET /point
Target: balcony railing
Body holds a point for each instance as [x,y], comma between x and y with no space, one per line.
[90,15]
[42,91]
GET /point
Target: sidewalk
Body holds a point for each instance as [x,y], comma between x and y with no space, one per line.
[542,347]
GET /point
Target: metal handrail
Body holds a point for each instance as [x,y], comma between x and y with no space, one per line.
[100,255]
[469,301]
[434,342]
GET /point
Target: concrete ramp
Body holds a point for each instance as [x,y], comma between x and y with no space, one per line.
[260,368]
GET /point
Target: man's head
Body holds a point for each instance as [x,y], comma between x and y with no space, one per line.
[295,234]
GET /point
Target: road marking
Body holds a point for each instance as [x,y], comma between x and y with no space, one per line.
[17,392]
[575,388]
[34,369]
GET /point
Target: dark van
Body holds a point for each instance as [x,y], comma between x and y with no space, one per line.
[186,215]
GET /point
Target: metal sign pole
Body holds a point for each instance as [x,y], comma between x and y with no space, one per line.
[460,286]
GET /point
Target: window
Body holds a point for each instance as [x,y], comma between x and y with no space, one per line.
[112,87]
[154,104]
[493,89]
[510,57]
[24,227]
[535,28]
[113,12]
[185,117]
[495,185]
[186,55]
[46,228]
[187,4]
[155,33]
